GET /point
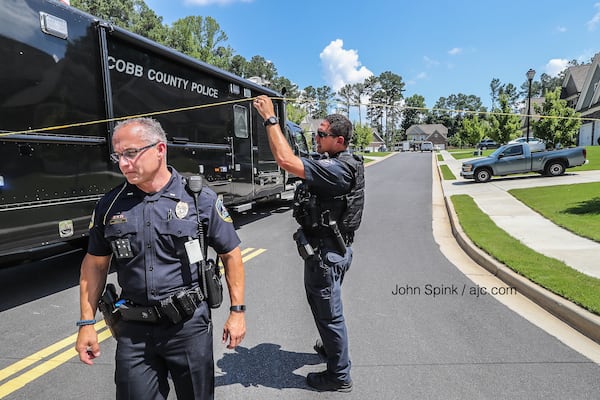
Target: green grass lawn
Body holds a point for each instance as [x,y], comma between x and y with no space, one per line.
[593,157]
[461,154]
[547,272]
[447,174]
[574,207]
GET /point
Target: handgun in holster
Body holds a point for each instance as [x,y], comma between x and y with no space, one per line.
[107,307]
[305,249]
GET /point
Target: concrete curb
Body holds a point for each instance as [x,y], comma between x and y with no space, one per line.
[582,320]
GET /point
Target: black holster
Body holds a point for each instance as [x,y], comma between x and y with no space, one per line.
[107,307]
[214,285]
[305,249]
[340,243]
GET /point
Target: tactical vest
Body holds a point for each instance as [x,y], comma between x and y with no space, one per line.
[313,212]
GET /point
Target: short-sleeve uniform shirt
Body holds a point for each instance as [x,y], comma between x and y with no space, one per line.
[327,177]
[153,229]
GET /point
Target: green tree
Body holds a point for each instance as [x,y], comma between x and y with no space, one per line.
[345,95]
[358,91]
[200,38]
[386,94]
[325,96]
[259,66]
[133,15]
[238,66]
[413,111]
[308,101]
[495,87]
[452,110]
[286,87]
[504,124]
[473,130]
[558,123]
[295,113]
[362,136]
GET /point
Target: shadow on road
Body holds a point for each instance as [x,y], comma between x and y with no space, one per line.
[27,282]
[265,365]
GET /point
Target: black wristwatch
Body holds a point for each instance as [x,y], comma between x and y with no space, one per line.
[271,121]
[240,308]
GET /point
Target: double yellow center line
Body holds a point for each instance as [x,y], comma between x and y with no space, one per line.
[65,349]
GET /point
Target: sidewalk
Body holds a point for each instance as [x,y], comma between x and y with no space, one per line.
[524,224]
[534,231]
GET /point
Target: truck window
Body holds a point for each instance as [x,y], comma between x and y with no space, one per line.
[514,151]
[240,118]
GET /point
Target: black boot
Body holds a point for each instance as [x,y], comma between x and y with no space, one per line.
[325,383]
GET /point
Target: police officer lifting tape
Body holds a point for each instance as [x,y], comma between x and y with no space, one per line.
[154,229]
[328,206]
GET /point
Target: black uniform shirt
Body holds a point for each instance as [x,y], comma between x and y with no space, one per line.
[156,227]
[327,177]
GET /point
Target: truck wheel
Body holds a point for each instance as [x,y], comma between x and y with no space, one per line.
[482,175]
[555,168]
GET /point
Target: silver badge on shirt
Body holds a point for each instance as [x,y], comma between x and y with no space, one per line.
[181,210]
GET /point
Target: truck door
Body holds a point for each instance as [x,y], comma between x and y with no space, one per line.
[241,163]
[513,160]
[267,176]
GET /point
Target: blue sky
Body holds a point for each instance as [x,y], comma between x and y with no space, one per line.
[439,48]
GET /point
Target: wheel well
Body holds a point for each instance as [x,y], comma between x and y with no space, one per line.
[486,168]
[562,161]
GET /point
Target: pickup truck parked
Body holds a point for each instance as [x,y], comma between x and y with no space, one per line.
[518,159]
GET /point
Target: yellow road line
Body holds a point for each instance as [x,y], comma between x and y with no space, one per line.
[40,355]
[23,379]
[103,334]
[254,253]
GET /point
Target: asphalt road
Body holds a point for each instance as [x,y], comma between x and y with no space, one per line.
[419,328]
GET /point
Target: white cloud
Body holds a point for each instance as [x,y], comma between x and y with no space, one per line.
[419,77]
[561,29]
[341,66]
[555,66]
[214,2]
[455,51]
[430,62]
[592,23]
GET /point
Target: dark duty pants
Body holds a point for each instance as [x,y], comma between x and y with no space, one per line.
[147,353]
[323,278]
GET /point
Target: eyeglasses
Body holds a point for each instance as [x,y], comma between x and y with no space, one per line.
[130,154]
[325,134]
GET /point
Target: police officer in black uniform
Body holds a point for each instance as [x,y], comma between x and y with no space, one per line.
[328,206]
[149,229]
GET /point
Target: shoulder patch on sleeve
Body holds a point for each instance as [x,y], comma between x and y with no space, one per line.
[222,211]
[326,162]
[92,219]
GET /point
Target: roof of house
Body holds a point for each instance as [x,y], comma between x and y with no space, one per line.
[574,80]
[589,98]
[427,129]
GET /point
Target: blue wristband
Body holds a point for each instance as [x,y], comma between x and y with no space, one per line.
[84,322]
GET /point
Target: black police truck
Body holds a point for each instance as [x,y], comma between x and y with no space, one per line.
[66,77]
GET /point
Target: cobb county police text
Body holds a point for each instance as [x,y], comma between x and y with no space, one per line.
[136,70]
[437,290]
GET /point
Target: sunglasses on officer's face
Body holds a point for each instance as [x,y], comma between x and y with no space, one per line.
[325,134]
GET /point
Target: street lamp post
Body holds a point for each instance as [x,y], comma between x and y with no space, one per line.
[530,74]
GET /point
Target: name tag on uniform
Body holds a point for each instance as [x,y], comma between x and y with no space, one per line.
[192,248]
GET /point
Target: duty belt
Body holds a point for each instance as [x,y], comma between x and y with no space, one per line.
[175,308]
